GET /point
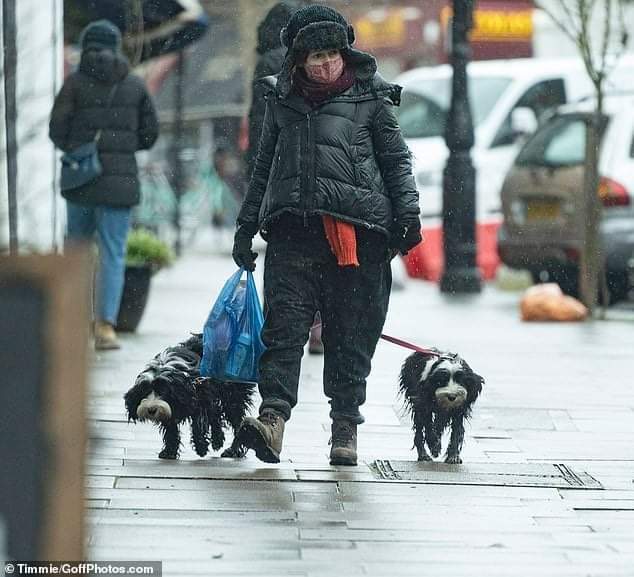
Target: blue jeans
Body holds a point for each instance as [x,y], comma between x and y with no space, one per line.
[112,226]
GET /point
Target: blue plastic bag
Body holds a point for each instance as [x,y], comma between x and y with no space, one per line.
[232,342]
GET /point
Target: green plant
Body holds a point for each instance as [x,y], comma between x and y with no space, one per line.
[145,248]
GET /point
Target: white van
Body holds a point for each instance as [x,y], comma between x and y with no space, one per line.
[508,98]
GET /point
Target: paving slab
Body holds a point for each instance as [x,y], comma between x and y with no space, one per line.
[541,415]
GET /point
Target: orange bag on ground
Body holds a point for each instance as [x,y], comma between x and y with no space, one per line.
[546,302]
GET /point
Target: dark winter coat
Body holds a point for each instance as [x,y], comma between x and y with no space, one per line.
[346,157]
[128,125]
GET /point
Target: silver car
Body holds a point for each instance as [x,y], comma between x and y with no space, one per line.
[543,189]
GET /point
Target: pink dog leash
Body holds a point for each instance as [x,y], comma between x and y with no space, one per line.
[406,345]
[400,343]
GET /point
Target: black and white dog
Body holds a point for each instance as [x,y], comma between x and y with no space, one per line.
[439,391]
[170,392]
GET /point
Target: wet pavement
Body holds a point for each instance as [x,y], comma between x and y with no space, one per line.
[546,488]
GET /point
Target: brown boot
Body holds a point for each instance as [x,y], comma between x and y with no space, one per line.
[264,435]
[343,443]
[105,337]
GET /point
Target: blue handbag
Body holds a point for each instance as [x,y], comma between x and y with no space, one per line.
[82,165]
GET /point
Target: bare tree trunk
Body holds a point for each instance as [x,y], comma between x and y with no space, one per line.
[574,20]
[591,253]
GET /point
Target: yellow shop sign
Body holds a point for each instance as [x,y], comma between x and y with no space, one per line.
[386,33]
[497,25]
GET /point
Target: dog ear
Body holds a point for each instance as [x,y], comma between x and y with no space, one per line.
[182,395]
[474,388]
[194,343]
[135,395]
[413,369]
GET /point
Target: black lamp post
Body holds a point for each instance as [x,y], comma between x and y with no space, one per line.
[177,150]
[461,275]
[10,116]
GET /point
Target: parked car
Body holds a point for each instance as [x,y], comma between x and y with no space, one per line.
[507,98]
[542,195]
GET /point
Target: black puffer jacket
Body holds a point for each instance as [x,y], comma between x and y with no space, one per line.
[130,124]
[345,158]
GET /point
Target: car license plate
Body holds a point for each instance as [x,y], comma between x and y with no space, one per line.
[542,210]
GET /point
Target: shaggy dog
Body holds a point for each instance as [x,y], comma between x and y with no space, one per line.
[439,390]
[170,391]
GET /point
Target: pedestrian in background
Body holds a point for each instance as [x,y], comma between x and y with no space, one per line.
[270,56]
[332,193]
[102,97]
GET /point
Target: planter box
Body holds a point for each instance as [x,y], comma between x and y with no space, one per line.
[136,290]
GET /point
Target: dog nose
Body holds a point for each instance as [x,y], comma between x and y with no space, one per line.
[452,398]
[152,411]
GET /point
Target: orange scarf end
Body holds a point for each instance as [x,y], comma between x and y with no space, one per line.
[342,238]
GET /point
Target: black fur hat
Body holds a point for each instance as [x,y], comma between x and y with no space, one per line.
[318,27]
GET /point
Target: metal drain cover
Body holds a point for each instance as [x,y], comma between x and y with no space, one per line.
[557,476]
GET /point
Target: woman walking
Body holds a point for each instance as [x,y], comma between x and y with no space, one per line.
[333,195]
[103,102]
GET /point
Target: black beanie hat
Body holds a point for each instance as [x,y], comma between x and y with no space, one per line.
[316,27]
[101,34]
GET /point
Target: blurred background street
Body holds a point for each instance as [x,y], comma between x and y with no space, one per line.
[201,77]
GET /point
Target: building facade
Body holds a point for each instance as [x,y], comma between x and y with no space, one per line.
[39,43]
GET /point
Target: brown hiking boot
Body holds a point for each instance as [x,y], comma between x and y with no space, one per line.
[264,435]
[343,443]
[105,337]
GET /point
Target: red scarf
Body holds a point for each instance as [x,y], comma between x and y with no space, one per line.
[342,238]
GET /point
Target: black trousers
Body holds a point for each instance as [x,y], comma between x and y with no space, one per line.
[301,277]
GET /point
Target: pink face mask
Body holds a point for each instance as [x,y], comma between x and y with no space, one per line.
[327,72]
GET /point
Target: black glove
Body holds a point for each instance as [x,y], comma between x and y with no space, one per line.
[242,243]
[405,237]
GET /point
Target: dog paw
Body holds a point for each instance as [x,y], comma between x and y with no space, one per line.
[453,459]
[216,445]
[434,447]
[424,458]
[164,454]
[234,453]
